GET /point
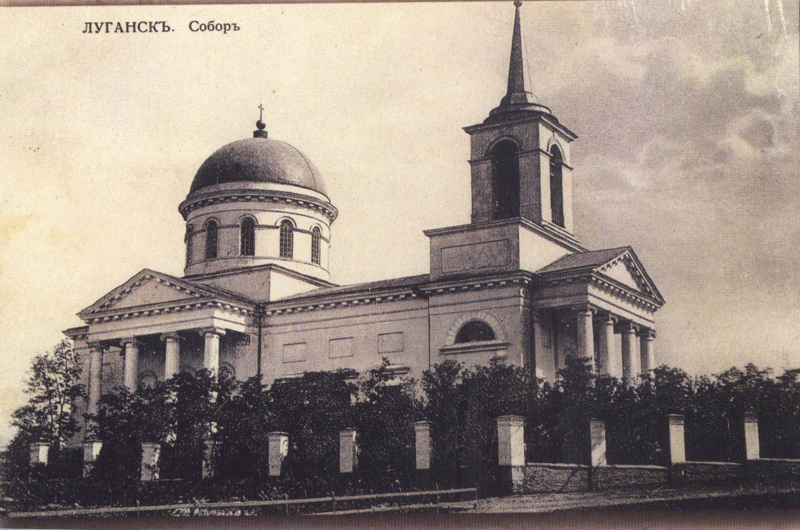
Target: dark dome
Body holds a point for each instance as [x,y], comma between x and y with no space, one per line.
[258,160]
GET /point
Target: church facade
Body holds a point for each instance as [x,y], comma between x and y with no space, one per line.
[256,299]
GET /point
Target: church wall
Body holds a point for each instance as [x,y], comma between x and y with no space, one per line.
[505,304]
[347,337]
[475,250]
[532,187]
[240,351]
[481,191]
[283,286]
[536,251]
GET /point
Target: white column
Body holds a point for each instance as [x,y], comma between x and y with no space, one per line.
[211,353]
[95,371]
[586,334]
[172,354]
[610,359]
[629,360]
[131,347]
[544,357]
[646,339]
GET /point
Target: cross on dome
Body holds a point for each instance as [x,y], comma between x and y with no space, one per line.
[260,133]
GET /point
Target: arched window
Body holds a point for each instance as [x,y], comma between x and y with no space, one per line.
[248,237]
[287,239]
[189,244]
[505,180]
[474,331]
[556,186]
[316,237]
[211,240]
[148,380]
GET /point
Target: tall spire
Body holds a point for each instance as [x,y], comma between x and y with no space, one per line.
[516,73]
[517,98]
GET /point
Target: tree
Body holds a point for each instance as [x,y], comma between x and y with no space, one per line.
[49,416]
[54,387]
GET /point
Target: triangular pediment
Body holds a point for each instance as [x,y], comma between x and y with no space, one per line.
[624,272]
[629,271]
[613,266]
[146,288]
[150,291]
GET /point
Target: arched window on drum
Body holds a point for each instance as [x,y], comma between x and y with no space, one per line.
[247,244]
[316,241]
[287,239]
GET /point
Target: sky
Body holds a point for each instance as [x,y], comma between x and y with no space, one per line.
[688,150]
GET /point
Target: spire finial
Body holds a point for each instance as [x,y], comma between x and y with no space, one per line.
[516,73]
[260,133]
[517,97]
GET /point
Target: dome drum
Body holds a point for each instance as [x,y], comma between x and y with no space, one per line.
[255,202]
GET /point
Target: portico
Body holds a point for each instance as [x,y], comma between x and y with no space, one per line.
[597,305]
[187,328]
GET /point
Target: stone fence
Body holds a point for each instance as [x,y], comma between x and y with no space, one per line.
[516,474]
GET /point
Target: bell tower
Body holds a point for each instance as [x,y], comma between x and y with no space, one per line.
[521,188]
[520,156]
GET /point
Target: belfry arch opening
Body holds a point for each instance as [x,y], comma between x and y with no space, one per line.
[505,180]
[556,186]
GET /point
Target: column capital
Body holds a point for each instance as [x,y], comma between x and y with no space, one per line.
[646,333]
[211,331]
[606,317]
[582,309]
[626,327]
[173,335]
[129,341]
[97,345]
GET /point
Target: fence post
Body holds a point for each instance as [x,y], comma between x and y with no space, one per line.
[348,451]
[91,450]
[150,455]
[511,453]
[677,439]
[278,451]
[752,449]
[40,453]
[597,448]
[422,447]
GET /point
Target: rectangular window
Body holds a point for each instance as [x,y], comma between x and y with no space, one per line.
[340,348]
[391,342]
[294,353]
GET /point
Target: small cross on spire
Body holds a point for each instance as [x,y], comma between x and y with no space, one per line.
[261,109]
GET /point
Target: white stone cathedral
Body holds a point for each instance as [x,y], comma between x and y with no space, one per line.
[256,298]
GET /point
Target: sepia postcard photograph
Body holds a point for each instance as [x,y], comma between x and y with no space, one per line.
[423,260]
